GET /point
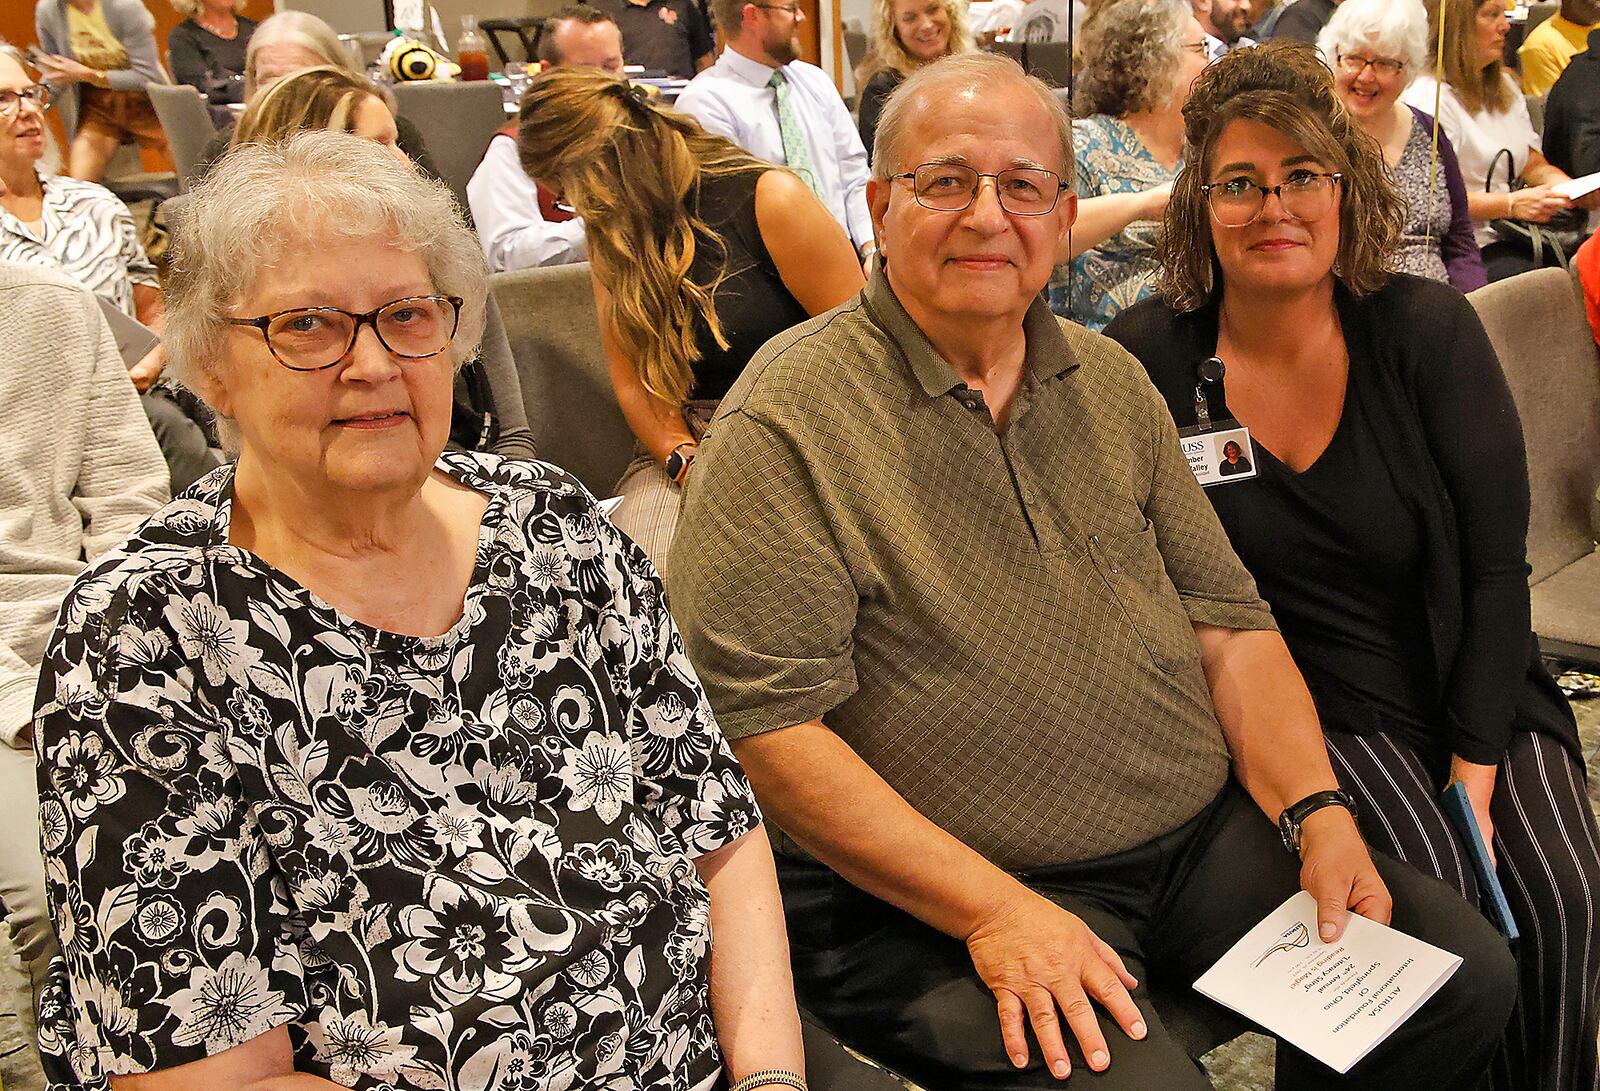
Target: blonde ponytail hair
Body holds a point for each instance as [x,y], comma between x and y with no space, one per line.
[632,170]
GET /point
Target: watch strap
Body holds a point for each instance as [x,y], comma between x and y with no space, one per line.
[1295,814]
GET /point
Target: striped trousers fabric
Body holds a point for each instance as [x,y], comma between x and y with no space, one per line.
[1548,855]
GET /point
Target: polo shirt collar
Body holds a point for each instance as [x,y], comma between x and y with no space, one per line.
[752,72]
[1048,354]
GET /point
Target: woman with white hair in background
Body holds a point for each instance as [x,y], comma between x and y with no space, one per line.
[1376,48]
[389,760]
[906,34]
[292,41]
[207,50]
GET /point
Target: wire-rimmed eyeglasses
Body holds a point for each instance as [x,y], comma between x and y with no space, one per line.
[38,94]
[1305,195]
[313,338]
[951,187]
[1354,65]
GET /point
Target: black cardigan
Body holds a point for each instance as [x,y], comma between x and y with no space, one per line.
[1448,425]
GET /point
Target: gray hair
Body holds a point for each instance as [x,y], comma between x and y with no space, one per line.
[1131,54]
[978,72]
[263,202]
[191,8]
[299,28]
[1391,28]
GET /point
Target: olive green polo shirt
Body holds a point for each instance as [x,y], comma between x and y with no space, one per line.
[1000,625]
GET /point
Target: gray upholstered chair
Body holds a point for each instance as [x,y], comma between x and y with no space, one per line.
[457,121]
[1538,326]
[187,123]
[554,333]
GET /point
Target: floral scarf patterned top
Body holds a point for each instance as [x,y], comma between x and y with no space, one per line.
[1106,280]
[462,861]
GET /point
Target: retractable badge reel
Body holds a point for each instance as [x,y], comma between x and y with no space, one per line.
[1218,451]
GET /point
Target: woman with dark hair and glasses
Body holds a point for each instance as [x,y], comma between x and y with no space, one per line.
[390,759]
[1387,520]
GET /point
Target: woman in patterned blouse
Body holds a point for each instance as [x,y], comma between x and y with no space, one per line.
[1140,58]
[369,767]
[1376,48]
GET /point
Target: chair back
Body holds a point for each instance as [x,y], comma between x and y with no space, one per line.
[1538,13]
[187,123]
[554,333]
[457,121]
[1536,111]
[1537,325]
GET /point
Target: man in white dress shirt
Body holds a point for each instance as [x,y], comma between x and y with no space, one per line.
[519,226]
[778,108]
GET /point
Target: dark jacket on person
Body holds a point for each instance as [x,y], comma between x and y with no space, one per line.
[874,95]
[1448,429]
[1303,20]
[1572,114]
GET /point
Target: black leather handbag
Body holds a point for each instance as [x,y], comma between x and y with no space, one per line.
[1551,243]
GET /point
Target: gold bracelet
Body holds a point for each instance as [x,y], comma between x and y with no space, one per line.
[772,1077]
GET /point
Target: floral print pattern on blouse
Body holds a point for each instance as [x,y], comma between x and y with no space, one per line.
[1101,283]
[462,861]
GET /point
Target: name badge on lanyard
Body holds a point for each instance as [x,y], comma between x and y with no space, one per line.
[1218,451]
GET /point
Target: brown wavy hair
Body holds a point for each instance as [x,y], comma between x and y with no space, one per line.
[1478,86]
[1284,85]
[323,97]
[632,170]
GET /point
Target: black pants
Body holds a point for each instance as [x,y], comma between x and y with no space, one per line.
[1548,852]
[908,996]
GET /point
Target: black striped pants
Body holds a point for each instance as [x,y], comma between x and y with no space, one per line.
[1548,854]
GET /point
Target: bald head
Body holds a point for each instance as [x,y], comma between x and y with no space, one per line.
[976,76]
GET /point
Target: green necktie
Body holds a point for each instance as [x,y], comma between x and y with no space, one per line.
[796,155]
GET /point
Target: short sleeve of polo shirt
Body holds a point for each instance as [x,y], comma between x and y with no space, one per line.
[763,597]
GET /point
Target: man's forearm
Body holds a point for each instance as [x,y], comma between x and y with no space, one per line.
[752,989]
[1267,716]
[813,785]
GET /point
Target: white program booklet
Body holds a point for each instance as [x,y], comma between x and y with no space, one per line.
[1573,188]
[1336,1001]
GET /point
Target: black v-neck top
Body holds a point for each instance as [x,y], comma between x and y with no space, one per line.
[1338,556]
[1396,565]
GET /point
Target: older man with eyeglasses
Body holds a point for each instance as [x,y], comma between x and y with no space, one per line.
[1030,734]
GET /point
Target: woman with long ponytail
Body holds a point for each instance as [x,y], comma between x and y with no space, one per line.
[700,253]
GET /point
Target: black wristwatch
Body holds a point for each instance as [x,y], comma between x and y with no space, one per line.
[678,461]
[1290,820]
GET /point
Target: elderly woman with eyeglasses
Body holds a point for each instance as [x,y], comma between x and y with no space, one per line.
[364,765]
[1387,518]
[1376,48]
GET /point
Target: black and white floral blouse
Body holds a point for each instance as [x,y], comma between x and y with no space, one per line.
[462,861]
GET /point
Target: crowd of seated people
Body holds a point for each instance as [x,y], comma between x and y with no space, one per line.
[377,760]
[82,230]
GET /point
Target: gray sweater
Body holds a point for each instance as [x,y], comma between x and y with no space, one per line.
[79,466]
[133,26]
